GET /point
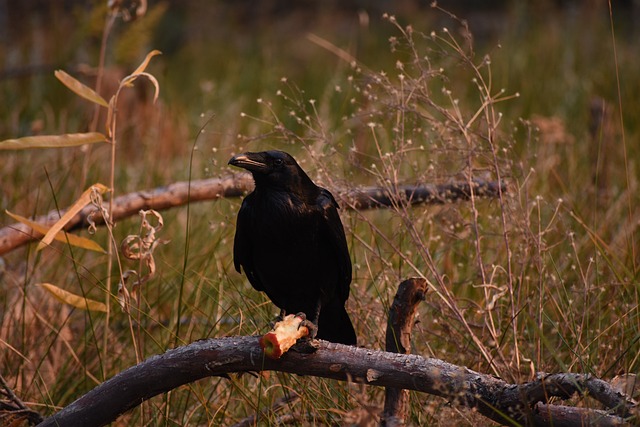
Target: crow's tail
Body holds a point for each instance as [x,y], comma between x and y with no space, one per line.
[335,325]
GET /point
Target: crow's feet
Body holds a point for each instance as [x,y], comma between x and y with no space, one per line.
[312,327]
[306,345]
[279,318]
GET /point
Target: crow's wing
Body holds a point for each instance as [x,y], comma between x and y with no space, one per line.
[332,228]
[242,246]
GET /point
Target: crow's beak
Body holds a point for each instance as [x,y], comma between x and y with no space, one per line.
[248,161]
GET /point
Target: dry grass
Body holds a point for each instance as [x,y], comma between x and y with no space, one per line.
[542,279]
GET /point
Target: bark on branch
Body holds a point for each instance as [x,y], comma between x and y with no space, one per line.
[398,340]
[181,193]
[492,397]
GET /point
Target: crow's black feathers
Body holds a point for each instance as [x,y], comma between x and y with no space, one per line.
[291,245]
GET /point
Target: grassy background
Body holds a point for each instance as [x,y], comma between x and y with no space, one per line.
[544,279]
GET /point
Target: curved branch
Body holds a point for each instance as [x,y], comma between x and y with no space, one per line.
[492,397]
[181,193]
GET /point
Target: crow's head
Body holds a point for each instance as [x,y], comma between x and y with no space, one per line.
[274,169]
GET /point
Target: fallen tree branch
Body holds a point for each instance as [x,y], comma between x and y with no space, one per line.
[181,193]
[177,194]
[492,397]
[398,340]
[434,194]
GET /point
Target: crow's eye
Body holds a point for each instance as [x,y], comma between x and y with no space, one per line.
[278,162]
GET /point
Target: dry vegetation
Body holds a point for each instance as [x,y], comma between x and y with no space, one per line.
[542,279]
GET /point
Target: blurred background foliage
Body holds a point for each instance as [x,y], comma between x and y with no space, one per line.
[241,69]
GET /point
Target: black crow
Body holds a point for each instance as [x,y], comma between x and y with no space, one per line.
[291,244]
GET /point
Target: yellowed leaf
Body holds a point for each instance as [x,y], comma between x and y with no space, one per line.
[74,240]
[73,299]
[128,82]
[145,63]
[52,141]
[112,107]
[155,84]
[79,204]
[84,91]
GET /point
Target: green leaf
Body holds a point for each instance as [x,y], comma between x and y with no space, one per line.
[52,141]
[80,89]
